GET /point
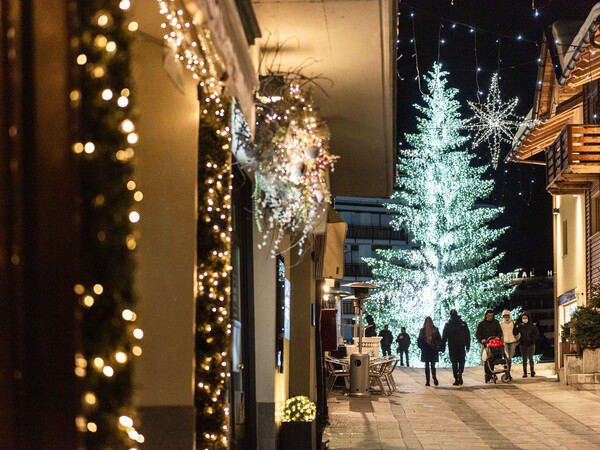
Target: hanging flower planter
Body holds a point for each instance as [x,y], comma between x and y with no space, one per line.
[290,160]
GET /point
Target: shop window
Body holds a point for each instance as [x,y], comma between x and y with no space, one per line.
[591,110]
[565,246]
[595,214]
[569,309]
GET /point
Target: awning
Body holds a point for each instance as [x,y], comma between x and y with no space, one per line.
[333,261]
[541,135]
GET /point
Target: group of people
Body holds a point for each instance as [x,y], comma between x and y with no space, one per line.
[457,337]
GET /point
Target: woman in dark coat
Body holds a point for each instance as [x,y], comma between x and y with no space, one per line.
[430,343]
[529,334]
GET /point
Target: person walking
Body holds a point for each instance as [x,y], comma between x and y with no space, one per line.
[529,334]
[386,341]
[510,339]
[370,329]
[456,333]
[487,328]
[403,341]
[430,343]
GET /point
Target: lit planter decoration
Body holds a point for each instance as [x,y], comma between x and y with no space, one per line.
[105,136]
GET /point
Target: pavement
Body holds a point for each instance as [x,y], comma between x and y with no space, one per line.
[526,413]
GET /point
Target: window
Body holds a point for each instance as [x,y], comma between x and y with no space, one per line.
[380,247]
[591,113]
[565,246]
[595,214]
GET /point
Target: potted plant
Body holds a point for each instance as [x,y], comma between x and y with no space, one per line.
[298,430]
[585,332]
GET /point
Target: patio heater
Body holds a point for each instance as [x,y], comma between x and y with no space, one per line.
[337,294]
[359,362]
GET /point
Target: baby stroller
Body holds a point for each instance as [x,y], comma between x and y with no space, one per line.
[496,359]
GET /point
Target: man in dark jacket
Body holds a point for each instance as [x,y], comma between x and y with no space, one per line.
[487,328]
[456,334]
[529,334]
[403,341]
[370,328]
[386,341]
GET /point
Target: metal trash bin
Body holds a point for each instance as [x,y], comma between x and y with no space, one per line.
[359,375]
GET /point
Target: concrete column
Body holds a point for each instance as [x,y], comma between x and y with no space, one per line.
[166,161]
[268,381]
[302,341]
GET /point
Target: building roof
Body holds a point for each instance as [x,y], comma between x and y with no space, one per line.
[569,58]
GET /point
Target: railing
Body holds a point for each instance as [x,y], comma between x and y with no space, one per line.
[574,153]
[347,307]
[357,270]
[365,232]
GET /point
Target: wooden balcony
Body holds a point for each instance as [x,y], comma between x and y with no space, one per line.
[573,160]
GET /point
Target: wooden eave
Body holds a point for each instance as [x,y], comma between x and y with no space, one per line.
[542,135]
[546,79]
[587,65]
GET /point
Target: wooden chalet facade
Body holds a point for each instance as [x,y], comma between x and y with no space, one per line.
[564,135]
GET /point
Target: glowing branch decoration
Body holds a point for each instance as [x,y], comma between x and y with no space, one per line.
[290,159]
[104,140]
[494,121]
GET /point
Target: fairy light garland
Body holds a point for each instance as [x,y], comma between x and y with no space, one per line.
[213,325]
[194,48]
[191,41]
[104,145]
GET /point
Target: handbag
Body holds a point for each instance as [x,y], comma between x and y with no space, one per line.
[439,344]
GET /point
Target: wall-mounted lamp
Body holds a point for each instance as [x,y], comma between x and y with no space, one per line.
[555,211]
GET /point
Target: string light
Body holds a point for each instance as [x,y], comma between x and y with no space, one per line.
[494,121]
[298,409]
[102,107]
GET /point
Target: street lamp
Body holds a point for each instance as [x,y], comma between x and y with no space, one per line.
[359,362]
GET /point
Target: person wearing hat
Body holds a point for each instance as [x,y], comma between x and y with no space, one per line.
[487,328]
[510,339]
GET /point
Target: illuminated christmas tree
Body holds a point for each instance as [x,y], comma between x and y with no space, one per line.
[452,262]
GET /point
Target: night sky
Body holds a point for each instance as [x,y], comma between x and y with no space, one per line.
[494,42]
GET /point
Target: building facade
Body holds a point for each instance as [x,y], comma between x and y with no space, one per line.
[268,358]
[369,229]
[563,136]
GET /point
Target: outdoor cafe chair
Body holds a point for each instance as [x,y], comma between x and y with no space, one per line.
[389,373]
[335,369]
[377,375]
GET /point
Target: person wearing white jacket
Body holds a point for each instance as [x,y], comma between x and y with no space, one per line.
[510,340]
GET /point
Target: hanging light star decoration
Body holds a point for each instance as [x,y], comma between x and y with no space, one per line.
[494,121]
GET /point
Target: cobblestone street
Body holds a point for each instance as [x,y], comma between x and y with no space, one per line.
[528,413]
